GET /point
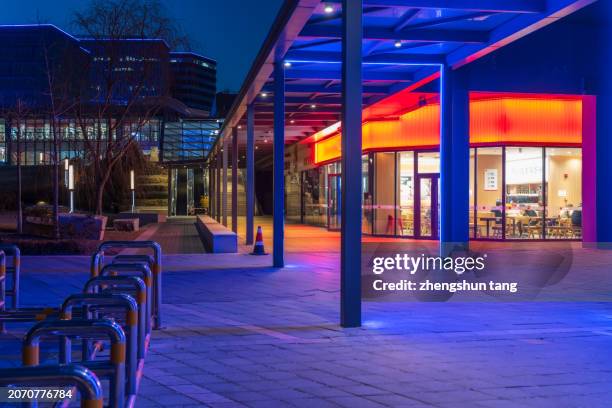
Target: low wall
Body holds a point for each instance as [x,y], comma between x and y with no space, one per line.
[216,237]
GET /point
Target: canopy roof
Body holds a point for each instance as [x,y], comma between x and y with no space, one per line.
[404,44]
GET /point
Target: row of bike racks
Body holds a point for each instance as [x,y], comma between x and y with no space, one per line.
[120,305]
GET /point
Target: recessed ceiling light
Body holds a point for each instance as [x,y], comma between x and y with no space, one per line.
[264,94]
[287,64]
[328,9]
[398,44]
[292,121]
[313,106]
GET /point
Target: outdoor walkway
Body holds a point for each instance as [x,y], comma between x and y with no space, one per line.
[240,333]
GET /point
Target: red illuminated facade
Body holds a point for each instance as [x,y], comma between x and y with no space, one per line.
[495,119]
[525,167]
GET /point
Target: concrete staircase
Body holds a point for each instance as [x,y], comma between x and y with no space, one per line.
[152,190]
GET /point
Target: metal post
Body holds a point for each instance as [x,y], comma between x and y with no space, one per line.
[454,161]
[235,179]
[250,173]
[218,188]
[169,192]
[278,236]
[211,189]
[224,182]
[350,238]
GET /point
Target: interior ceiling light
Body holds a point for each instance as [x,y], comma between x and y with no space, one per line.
[398,44]
[287,64]
[328,9]
[264,94]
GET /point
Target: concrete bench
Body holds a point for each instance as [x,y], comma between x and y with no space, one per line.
[127,224]
[216,237]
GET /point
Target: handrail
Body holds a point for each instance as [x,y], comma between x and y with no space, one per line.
[54,375]
[141,299]
[147,277]
[156,269]
[13,250]
[82,328]
[131,322]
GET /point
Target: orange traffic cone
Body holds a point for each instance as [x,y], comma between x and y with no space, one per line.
[258,248]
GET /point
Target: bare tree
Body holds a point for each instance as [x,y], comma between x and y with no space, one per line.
[129,83]
[60,72]
[15,114]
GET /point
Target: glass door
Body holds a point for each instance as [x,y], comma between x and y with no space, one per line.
[334,202]
[428,208]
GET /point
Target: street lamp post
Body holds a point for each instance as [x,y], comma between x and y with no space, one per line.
[71,186]
[133,189]
[66,164]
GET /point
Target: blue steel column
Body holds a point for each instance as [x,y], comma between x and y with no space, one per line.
[250,173]
[235,179]
[218,187]
[603,136]
[350,238]
[454,161]
[211,190]
[224,182]
[278,236]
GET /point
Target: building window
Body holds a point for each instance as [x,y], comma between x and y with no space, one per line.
[384,193]
[563,193]
[488,192]
[405,193]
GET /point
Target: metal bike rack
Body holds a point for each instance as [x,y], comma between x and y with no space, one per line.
[141,270]
[120,282]
[114,369]
[97,260]
[2,287]
[101,302]
[57,375]
[14,270]
[156,268]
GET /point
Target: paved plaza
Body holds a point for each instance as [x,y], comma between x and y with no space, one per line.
[238,333]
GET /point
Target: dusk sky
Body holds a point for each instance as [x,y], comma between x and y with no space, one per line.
[230,31]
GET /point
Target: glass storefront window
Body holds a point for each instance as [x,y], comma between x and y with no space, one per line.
[384,194]
[429,162]
[312,199]
[405,193]
[366,221]
[471,195]
[488,192]
[563,193]
[524,193]
[515,193]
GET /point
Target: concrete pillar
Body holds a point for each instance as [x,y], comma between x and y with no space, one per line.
[278,211]
[454,161]
[350,238]
[235,179]
[250,173]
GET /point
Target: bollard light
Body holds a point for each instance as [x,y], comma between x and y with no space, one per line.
[71,186]
[133,188]
[66,164]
